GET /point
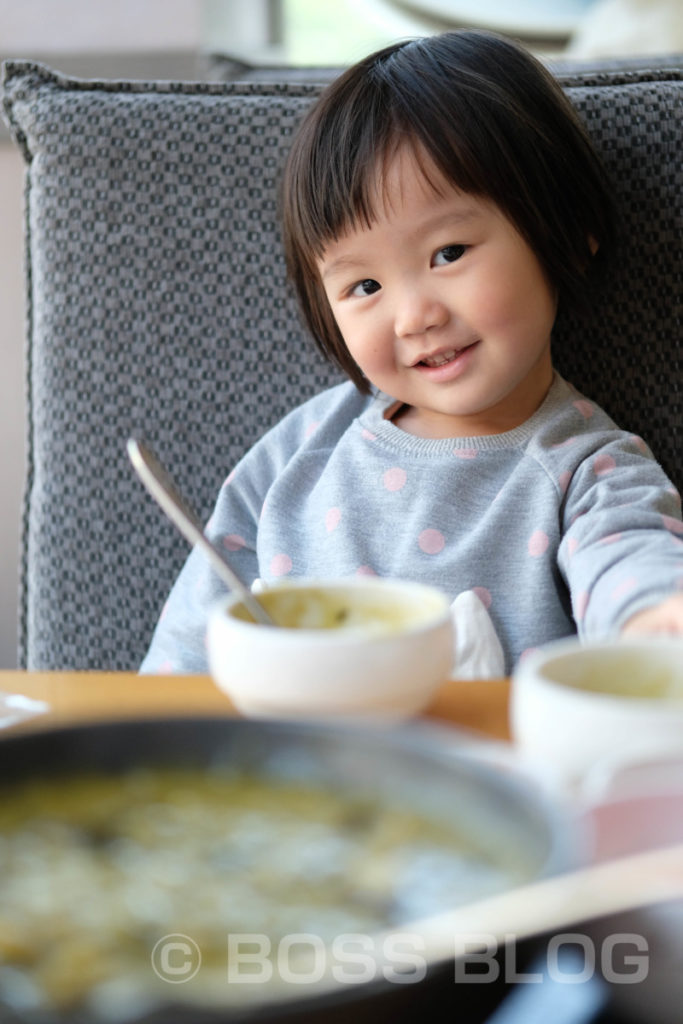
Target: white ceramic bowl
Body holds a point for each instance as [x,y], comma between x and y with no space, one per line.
[585,708]
[363,646]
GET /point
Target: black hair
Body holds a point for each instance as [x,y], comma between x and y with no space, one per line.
[489,117]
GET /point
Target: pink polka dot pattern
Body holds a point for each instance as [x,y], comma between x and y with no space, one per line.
[431,542]
[229,478]
[625,587]
[580,605]
[673,524]
[484,596]
[367,435]
[365,570]
[332,519]
[311,428]
[564,480]
[465,453]
[538,543]
[233,542]
[395,478]
[640,444]
[567,443]
[166,666]
[603,464]
[572,546]
[611,538]
[527,652]
[585,407]
[280,565]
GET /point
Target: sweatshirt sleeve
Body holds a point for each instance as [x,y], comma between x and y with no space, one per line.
[179,641]
[622,544]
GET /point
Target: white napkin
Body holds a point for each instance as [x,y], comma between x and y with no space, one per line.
[477,653]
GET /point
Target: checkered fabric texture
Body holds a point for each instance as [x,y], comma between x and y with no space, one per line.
[158,307]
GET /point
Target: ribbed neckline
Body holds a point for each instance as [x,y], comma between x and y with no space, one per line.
[388,434]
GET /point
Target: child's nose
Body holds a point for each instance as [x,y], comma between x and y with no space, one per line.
[417,312]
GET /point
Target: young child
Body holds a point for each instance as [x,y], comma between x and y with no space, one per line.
[440,201]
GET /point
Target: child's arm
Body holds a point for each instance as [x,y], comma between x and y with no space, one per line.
[621,553]
[665,617]
[179,640]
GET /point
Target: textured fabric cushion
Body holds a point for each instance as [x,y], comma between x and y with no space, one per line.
[158,306]
[628,355]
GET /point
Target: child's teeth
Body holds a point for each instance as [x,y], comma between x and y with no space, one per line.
[440,360]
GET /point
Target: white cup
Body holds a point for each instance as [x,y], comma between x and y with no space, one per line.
[364,646]
[585,711]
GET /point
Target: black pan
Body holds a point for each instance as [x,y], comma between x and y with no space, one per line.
[424,767]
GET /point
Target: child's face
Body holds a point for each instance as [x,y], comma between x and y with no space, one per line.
[443,305]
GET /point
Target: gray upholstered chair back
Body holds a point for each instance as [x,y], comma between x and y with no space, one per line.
[158,306]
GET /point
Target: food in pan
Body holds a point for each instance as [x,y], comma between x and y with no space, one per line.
[97,871]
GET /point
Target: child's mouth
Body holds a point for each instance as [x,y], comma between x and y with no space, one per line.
[440,360]
[445,358]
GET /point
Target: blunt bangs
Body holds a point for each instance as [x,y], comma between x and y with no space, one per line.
[484,115]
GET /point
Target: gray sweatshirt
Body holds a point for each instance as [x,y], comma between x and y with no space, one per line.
[564,524]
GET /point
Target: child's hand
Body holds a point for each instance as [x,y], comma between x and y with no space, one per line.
[666,617]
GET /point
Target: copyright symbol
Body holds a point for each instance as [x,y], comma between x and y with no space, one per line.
[176,958]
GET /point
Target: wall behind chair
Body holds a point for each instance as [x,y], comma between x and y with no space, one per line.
[12,404]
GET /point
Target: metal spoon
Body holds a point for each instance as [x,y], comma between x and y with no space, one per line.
[164,491]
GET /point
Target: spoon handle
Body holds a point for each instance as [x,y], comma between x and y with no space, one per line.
[164,491]
[625,883]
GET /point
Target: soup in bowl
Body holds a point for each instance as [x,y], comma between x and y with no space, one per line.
[365,646]
[582,707]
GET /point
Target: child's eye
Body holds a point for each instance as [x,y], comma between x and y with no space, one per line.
[449,254]
[366,287]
